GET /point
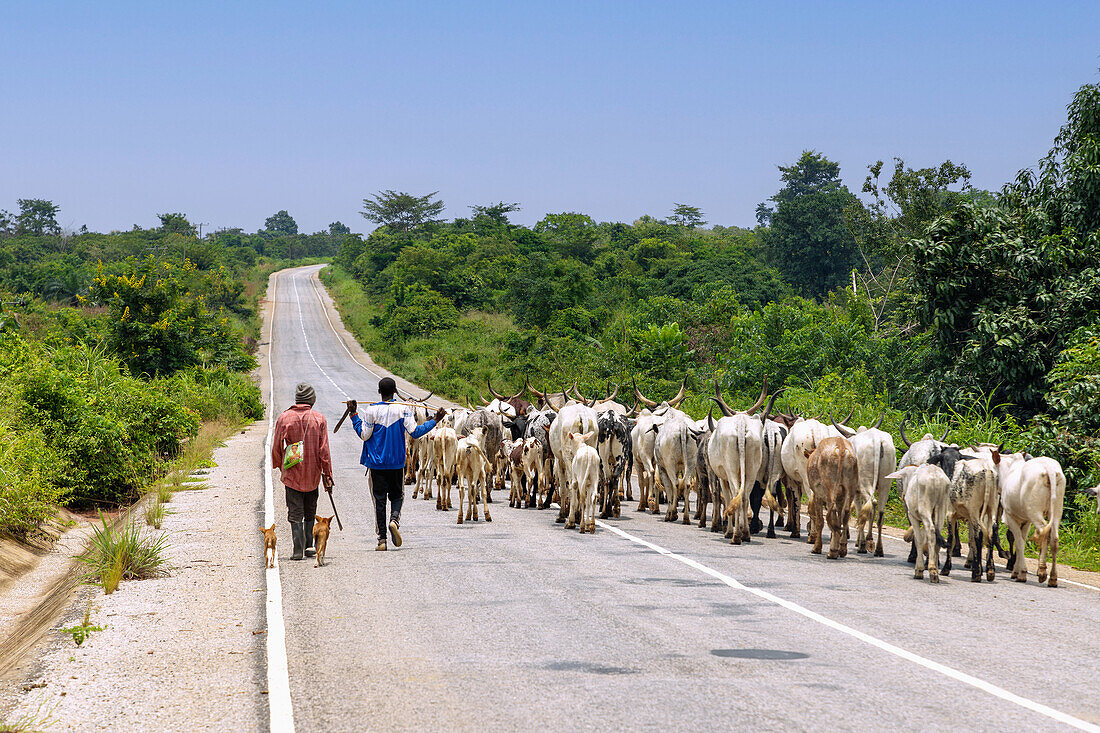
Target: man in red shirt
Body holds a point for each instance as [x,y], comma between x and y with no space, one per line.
[303,425]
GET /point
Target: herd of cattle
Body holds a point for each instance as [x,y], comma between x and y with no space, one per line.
[581,453]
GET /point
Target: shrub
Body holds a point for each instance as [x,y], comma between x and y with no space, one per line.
[124,553]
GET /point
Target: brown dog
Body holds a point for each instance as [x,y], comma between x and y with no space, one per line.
[320,538]
[269,545]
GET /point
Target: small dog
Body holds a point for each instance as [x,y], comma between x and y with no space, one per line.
[320,538]
[269,545]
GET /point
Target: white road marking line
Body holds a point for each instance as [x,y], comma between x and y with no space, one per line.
[280,708]
[339,340]
[867,638]
[309,350]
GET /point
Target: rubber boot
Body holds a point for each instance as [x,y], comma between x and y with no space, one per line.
[310,550]
[298,534]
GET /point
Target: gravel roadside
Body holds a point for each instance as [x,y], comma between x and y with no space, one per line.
[182,652]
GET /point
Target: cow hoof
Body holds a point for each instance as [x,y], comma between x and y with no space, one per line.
[747,538]
[1053,582]
[989,576]
[616,513]
[832,555]
[878,551]
[1021,578]
[1042,578]
[975,578]
[570,525]
[459,519]
[487,517]
[770,535]
[967,564]
[686,520]
[560,520]
[945,572]
[815,550]
[861,551]
[918,575]
[934,578]
[796,535]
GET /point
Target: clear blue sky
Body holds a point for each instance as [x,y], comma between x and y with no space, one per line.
[229,112]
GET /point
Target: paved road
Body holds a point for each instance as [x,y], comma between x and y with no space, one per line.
[520,624]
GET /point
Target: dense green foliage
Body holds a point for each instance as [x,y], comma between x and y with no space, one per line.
[115,347]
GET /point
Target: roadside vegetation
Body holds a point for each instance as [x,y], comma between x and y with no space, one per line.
[125,355]
[924,298]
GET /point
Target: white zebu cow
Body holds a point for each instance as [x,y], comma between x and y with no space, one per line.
[877,459]
[926,504]
[584,476]
[446,458]
[472,467]
[1032,493]
[735,453]
[643,446]
[675,455]
[573,418]
[426,464]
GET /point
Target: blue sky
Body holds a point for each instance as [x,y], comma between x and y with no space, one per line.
[229,112]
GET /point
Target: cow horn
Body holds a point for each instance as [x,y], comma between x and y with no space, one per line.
[550,404]
[484,402]
[493,392]
[532,390]
[726,410]
[613,395]
[680,396]
[901,429]
[879,421]
[577,392]
[593,402]
[468,402]
[759,400]
[945,432]
[642,398]
[634,410]
[850,413]
[771,401]
[843,429]
[710,418]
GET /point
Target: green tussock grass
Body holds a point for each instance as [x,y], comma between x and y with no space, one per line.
[125,553]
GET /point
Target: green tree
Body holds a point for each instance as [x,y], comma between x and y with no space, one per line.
[570,235]
[687,217]
[37,217]
[496,213]
[337,229]
[808,239]
[280,223]
[402,212]
[176,224]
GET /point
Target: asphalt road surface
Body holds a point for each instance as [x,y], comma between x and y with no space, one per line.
[521,624]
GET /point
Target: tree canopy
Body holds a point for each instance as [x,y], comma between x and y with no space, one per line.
[402,212]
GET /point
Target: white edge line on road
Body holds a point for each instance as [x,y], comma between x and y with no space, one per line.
[278,673]
[866,638]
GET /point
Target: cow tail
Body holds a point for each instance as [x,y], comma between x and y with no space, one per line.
[1044,533]
[740,497]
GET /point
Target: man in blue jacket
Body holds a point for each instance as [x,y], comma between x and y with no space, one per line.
[383,433]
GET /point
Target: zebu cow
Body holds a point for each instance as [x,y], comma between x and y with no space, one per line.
[472,468]
[876,455]
[802,439]
[643,441]
[538,427]
[535,474]
[1033,492]
[926,504]
[1094,491]
[771,471]
[489,438]
[573,418]
[833,472]
[917,453]
[975,498]
[616,457]
[736,452]
[584,479]
[446,458]
[549,400]
[706,482]
[426,464]
[520,406]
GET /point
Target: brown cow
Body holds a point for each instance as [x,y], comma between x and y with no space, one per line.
[833,474]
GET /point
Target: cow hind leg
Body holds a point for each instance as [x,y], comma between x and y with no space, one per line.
[878,545]
[952,530]
[975,550]
[956,544]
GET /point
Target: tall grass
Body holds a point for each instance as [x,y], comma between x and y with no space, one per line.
[125,553]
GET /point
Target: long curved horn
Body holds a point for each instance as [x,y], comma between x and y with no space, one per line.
[613,395]
[945,432]
[634,410]
[549,403]
[845,420]
[771,401]
[844,430]
[577,392]
[484,402]
[710,418]
[901,429]
[493,392]
[468,405]
[427,397]
[532,390]
[879,421]
[726,409]
[759,400]
[593,402]
[642,398]
[680,396]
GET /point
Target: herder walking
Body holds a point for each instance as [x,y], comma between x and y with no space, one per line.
[383,433]
[299,449]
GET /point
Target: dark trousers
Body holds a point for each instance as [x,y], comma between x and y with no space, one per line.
[387,483]
[300,505]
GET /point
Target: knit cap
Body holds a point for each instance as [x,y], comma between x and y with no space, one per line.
[304,394]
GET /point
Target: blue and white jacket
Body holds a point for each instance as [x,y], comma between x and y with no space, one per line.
[383,434]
